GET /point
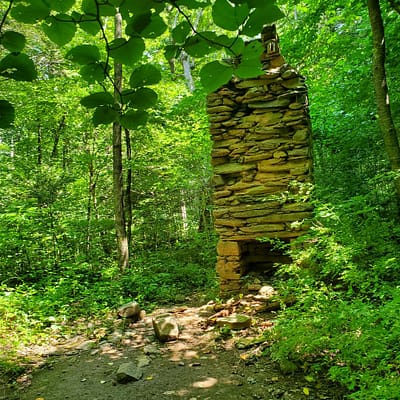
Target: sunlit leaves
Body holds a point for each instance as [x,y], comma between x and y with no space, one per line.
[60,29]
[138,7]
[146,25]
[250,65]
[93,7]
[7,114]
[215,74]
[141,98]
[104,115]
[97,99]
[201,44]
[13,41]
[84,54]
[266,13]
[61,5]
[228,16]
[35,11]
[133,119]
[127,51]
[155,28]
[18,67]
[146,74]
[94,72]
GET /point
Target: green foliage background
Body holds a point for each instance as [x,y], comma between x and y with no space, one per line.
[57,252]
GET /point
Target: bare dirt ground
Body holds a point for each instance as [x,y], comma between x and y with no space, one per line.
[204,363]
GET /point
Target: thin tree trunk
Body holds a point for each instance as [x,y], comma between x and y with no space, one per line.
[388,129]
[128,190]
[120,224]
[39,145]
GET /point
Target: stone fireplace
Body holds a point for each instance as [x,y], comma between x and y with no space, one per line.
[262,164]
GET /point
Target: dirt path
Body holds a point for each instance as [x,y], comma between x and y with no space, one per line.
[200,365]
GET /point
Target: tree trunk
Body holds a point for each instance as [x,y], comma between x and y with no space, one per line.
[120,224]
[385,119]
[128,190]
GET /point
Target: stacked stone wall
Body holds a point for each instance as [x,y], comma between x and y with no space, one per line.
[261,159]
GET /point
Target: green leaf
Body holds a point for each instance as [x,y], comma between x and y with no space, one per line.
[213,75]
[141,99]
[84,54]
[236,44]
[116,3]
[97,99]
[104,115]
[145,75]
[61,29]
[249,69]
[268,13]
[197,46]
[90,7]
[133,119]
[36,10]
[127,51]
[94,72]
[87,23]
[138,23]
[171,51]
[61,5]
[155,28]
[250,64]
[181,31]
[13,41]
[18,66]
[138,7]
[227,16]
[7,114]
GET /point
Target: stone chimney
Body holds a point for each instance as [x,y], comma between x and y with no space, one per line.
[262,164]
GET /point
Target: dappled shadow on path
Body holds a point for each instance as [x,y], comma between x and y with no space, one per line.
[201,364]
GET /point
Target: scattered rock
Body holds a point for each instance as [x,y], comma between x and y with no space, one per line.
[267,291]
[131,310]
[128,372]
[235,321]
[165,327]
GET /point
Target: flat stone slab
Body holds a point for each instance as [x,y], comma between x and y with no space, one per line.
[234,321]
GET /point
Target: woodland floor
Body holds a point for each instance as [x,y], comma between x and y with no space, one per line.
[202,364]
